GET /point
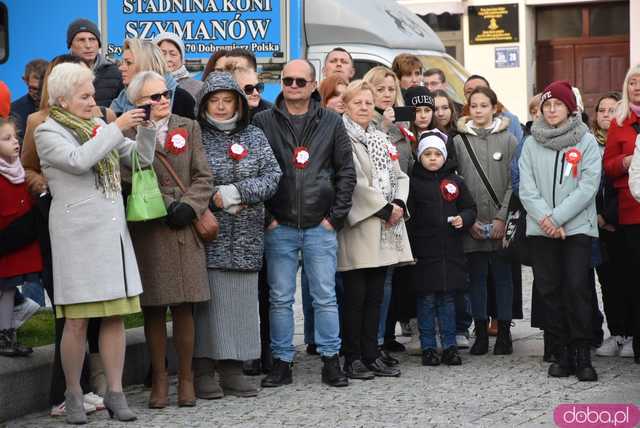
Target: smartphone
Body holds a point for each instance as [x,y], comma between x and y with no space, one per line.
[405,113]
[147,111]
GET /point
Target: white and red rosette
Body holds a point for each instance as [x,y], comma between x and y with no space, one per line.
[573,156]
[237,151]
[96,131]
[301,157]
[176,141]
[393,151]
[407,134]
[450,190]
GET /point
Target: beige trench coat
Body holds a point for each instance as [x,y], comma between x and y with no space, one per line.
[359,241]
[172,262]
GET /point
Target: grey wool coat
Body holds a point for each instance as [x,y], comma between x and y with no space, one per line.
[172,262]
[240,242]
[93,258]
[494,149]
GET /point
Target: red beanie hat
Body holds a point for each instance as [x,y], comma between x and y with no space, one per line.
[5,100]
[560,89]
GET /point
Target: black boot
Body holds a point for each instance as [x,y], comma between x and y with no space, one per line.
[387,358]
[451,357]
[252,367]
[279,375]
[636,349]
[504,345]
[481,344]
[332,374]
[584,370]
[548,356]
[565,362]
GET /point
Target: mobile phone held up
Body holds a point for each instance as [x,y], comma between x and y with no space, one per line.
[405,113]
[147,111]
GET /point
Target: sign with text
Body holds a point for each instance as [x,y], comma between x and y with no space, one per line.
[508,57]
[204,26]
[493,24]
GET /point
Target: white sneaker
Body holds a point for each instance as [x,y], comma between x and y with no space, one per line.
[627,348]
[462,341]
[610,347]
[23,312]
[95,400]
[59,410]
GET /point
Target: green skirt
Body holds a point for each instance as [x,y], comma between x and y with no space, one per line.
[109,308]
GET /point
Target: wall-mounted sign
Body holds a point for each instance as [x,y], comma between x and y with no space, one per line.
[508,57]
[493,24]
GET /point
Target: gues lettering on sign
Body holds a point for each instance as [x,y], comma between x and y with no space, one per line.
[493,24]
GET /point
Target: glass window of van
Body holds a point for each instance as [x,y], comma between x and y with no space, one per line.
[4,30]
[456,75]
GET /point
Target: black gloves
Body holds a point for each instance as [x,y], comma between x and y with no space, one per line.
[180,215]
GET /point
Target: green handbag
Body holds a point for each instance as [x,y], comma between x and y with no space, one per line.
[145,201]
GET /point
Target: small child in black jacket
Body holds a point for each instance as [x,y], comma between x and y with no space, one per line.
[441,209]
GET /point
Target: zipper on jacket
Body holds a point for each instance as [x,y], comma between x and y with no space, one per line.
[562,169]
[443,243]
[555,174]
[234,170]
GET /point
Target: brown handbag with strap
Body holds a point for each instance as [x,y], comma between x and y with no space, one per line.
[207,224]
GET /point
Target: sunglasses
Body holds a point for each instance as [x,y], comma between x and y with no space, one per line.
[248,89]
[156,97]
[300,82]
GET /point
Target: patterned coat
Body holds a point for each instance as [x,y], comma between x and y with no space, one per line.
[172,262]
[240,241]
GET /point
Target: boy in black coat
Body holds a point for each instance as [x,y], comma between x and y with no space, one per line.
[441,210]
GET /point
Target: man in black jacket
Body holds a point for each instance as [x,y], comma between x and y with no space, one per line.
[311,204]
[83,40]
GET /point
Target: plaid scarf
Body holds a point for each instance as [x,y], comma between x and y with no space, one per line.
[107,170]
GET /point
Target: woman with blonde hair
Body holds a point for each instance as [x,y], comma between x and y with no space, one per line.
[141,55]
[625,176]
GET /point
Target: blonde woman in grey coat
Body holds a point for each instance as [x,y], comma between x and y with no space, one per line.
[94,266]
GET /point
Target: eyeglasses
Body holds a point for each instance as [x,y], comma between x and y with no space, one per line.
[156,97]
[300,81]
[248,89]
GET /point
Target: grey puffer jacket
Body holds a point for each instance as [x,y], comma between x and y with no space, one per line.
[239,246]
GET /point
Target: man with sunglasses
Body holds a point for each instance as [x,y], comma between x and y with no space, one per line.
[248,81]
[30,102]
[311,204]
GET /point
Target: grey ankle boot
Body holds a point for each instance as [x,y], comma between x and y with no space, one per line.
[74,408]
[204,379]
[116,405]
[234,381]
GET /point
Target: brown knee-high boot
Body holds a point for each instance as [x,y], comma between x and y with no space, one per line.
[155,330]
[183,340]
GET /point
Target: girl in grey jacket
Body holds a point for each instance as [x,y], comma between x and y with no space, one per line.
[492,145]
[560,171]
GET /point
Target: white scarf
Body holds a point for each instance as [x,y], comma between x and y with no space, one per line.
[181,73]
[12,171]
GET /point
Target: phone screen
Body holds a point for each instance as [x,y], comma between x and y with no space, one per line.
[405,114]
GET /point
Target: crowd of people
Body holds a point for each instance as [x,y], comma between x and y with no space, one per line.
[399,205]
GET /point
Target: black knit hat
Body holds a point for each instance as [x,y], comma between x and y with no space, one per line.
[419,96]
[80,25]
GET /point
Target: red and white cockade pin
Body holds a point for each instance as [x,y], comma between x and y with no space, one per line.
[450,190]
[301,157]
[176,141]
[96,130]
[573,156]
[237,151]
[393,151]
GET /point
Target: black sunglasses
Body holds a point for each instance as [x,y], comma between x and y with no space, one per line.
[300,82]
[156,97]
[248,89]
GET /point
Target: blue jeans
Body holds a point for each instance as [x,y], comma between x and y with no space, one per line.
[319,256]
[384,307]
[34,291]
[307,306]
[442,307]
[479,263]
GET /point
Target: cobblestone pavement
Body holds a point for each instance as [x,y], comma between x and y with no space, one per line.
[486,391]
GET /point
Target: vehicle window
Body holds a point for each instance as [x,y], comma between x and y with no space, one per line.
[456,75]
[4,33]
[362,66]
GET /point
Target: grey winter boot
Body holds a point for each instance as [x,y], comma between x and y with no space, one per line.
[234,381]
[204,379]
